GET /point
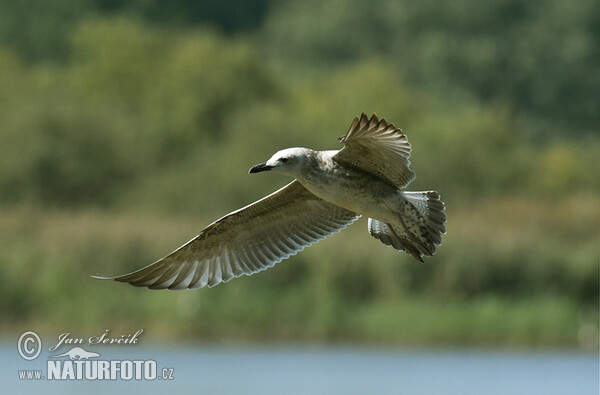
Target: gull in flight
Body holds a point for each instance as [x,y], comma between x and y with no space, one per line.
[331,190]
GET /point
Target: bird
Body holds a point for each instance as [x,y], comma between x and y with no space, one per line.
[331,190]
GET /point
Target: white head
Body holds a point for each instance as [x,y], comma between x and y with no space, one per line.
[288,161]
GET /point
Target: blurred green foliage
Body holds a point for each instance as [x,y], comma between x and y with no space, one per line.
[539,58]
[121,138]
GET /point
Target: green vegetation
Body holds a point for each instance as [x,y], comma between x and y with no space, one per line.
[123,134]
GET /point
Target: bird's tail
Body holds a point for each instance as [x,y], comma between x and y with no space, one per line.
[421,223]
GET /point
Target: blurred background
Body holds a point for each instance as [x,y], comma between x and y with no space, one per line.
[129,125]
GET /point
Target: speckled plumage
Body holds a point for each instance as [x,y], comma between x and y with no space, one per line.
[332,189]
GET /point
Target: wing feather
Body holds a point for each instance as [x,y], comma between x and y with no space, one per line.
[379,148]
[246,241]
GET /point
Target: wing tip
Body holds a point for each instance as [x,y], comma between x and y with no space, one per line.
[372,122]
[121,279]
[98,276]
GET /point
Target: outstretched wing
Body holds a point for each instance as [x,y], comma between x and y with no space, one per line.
[246,241]
[379,148]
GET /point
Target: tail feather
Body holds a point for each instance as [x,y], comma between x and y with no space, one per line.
[420,228]
[432,209]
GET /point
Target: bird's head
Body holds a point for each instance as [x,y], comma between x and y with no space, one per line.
[288,161]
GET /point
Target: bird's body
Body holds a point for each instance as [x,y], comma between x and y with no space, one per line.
[331,190]
[348,187]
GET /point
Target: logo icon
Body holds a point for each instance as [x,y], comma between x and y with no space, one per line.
[26,352]
[77,354]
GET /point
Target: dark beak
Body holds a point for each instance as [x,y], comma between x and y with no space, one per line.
[260,167]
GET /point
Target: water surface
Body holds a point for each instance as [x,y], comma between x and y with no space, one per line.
[329,370]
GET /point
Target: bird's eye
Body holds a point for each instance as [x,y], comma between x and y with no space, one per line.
[284,160]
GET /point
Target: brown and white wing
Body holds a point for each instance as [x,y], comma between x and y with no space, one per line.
[246,241]
[379,148]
